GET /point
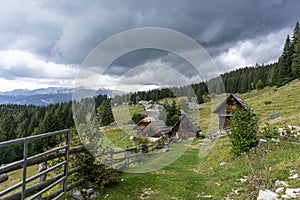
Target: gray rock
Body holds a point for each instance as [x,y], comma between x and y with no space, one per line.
[3,177]
[289,127]
[223,163]
[243,180]
[284,196]
[90,191]
[279,190]
[262,141]
[295,176]
[166,150]
[76,194]
[95,195]
[293,172]
[293,192]
[267,195]
[276,140]
[279,183]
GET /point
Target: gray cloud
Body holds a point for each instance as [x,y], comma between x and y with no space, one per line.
[64,32]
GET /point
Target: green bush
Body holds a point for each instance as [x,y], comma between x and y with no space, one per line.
[260,85]
[243,133]
[95,172]
[268,132]
[144,141]
[136,117]
[268,102]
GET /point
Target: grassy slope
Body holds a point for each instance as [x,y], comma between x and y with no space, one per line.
[285,100]
[191,177]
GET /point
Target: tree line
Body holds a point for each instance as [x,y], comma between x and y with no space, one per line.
[242,80]
[17,121]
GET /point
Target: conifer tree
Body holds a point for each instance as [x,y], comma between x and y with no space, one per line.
[296,53]
[105,114]
[283,72]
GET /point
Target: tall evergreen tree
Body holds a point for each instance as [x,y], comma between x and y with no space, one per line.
[296,53]
[105,114]
[284,69]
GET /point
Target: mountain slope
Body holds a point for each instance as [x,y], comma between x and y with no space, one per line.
[46,96]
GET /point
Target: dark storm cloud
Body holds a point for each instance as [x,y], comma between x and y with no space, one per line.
[65,31]
[70,29]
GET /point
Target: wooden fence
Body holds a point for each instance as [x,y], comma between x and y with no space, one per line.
[119,159]
[35,191]
[273,115]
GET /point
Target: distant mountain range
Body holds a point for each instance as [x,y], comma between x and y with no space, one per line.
[46,96]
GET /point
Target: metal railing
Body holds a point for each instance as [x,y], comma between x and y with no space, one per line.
[26,159]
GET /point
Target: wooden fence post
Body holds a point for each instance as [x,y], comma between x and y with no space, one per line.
[141,149]
[43,167]
[126,157]
[111,157]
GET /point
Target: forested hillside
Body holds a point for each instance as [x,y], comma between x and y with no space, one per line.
[20,121]
[242,80]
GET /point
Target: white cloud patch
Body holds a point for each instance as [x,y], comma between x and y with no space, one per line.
[142,77]
[264,49]
[28,71]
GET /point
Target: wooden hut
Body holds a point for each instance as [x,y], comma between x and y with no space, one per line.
[186,127]
[151,127]
[224,110]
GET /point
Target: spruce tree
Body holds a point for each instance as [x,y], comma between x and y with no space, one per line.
[105,114]
[283,72]
[296,53]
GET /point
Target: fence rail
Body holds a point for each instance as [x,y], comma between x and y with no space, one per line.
[119,159]
[35,191]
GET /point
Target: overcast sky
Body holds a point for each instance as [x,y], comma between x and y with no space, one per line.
[43,43]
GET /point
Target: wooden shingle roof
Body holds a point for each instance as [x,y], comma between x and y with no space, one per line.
[221,107]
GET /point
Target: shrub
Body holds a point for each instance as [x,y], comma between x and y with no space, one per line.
[268,102]
[172,120]
[268,132]
[143,141]
[260,85]
[136,117]
[243,133]
[95,172]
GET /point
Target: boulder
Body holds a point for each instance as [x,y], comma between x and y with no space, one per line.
[262,141]
[293,192]
[279,183]
[290,127]
[77,195]
[275,140]
[95,195]
[280,131]
[295,176]
[267,195]
[3,177]
[279,190]
[90,191]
